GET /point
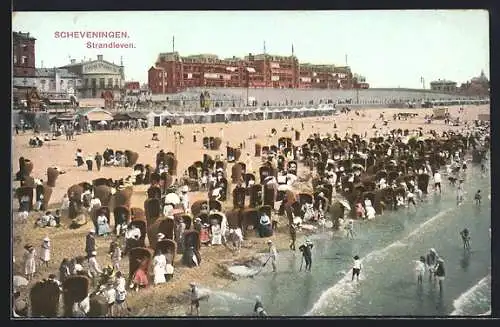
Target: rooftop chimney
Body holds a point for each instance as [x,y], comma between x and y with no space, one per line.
[73,61]
[99,57]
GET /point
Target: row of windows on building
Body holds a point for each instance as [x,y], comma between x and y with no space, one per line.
[22,61]
[102,83]
[93,83]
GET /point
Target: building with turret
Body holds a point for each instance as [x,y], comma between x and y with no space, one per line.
[477,86]
[23,54]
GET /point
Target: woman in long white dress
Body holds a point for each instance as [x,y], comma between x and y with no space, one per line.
[45,251]
[29,262]
[370,211]
[65,203]
[95,203]
[102,225]
[216,233]
[159,268]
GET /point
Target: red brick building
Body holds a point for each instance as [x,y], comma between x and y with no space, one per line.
[108,99]
[132,86]
[477,86]
[173,73]
[23,55]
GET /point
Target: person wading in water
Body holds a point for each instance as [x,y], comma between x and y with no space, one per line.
[195,299]
[350,229]
[431,261]
[420,269]
[477,197]
[273,254]
[437,181]
[465,238]
[293,236]
[460,192]
[440,273]
[307,254]
[259,308]
[356,268]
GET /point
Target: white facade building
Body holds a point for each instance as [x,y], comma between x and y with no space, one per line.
[98,76]
[51,82]
[54,84]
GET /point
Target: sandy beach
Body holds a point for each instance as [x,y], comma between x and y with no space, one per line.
[170,298]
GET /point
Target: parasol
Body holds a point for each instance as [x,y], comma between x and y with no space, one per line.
[172,198]
[177,211]
[103,122]
[284,187]
[19,281]
[269,179]
[345,204]
[358,166]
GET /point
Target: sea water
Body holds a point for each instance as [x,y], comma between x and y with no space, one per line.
[388,247]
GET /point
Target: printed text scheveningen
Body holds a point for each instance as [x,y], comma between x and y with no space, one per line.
[91,35]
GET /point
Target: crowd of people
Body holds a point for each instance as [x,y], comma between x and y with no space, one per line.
[110,281]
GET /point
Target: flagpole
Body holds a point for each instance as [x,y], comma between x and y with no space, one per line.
[265,64]
[293,60]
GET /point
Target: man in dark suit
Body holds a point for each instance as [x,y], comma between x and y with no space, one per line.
[90,242]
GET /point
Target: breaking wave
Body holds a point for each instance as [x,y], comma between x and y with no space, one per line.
[345,288]
[472,301]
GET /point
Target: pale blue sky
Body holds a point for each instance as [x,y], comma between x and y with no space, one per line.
[389,48]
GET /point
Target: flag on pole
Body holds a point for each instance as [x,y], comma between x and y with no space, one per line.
[264,47]
[173,43]
[292,49]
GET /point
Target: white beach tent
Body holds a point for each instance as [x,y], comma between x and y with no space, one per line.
[218,111]
[207,117]
[219,115]
[266,113]
[153,119]
[295,112]
[305,111]
[320,109]
[166,113]
[276,112]
[258,113]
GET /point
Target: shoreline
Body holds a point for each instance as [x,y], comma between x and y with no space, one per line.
[167,298]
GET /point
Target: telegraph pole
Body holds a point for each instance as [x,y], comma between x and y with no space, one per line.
[248,85]
[422,80]
[163,80]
